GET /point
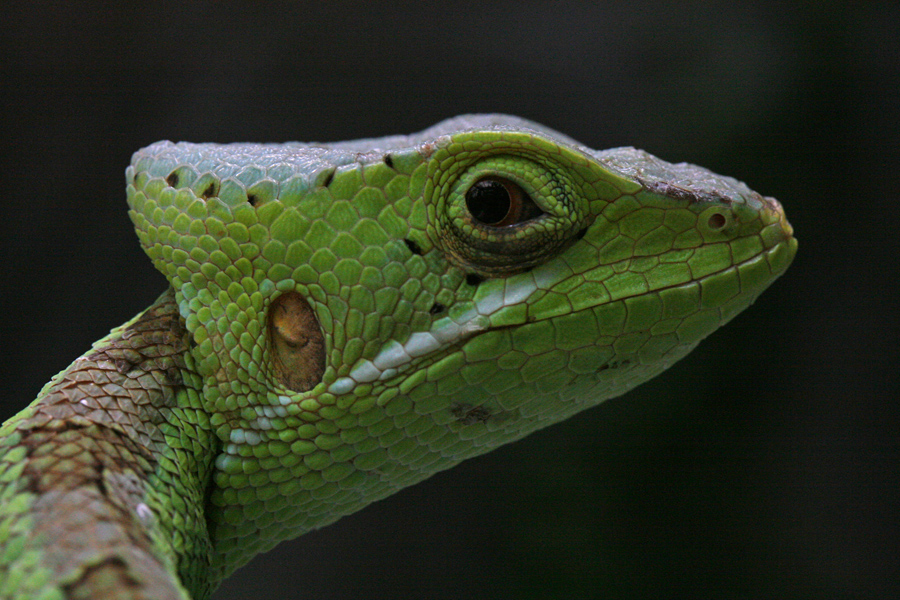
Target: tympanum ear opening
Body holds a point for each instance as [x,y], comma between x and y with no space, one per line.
[296,342]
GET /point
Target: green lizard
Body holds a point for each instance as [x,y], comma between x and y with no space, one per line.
[344,320]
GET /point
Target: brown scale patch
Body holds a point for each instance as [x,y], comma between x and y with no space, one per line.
[467,414]
[109,579]
[92,443]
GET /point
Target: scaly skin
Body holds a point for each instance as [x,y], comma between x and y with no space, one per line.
[345,320]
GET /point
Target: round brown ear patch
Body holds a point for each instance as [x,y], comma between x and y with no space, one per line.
[298,346]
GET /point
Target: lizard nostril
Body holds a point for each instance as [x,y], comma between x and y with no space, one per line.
[716,221]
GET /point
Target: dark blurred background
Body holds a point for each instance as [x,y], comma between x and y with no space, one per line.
[765,465]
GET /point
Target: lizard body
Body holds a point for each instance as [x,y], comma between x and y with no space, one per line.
[345,320]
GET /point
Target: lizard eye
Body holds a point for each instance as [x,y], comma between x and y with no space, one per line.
[499,202]
[505,213]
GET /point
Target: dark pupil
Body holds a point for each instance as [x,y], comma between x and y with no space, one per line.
[488,201]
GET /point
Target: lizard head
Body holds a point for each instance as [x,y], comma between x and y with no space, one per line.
[368,313]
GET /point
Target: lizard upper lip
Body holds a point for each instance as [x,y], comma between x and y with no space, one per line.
[775,206]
